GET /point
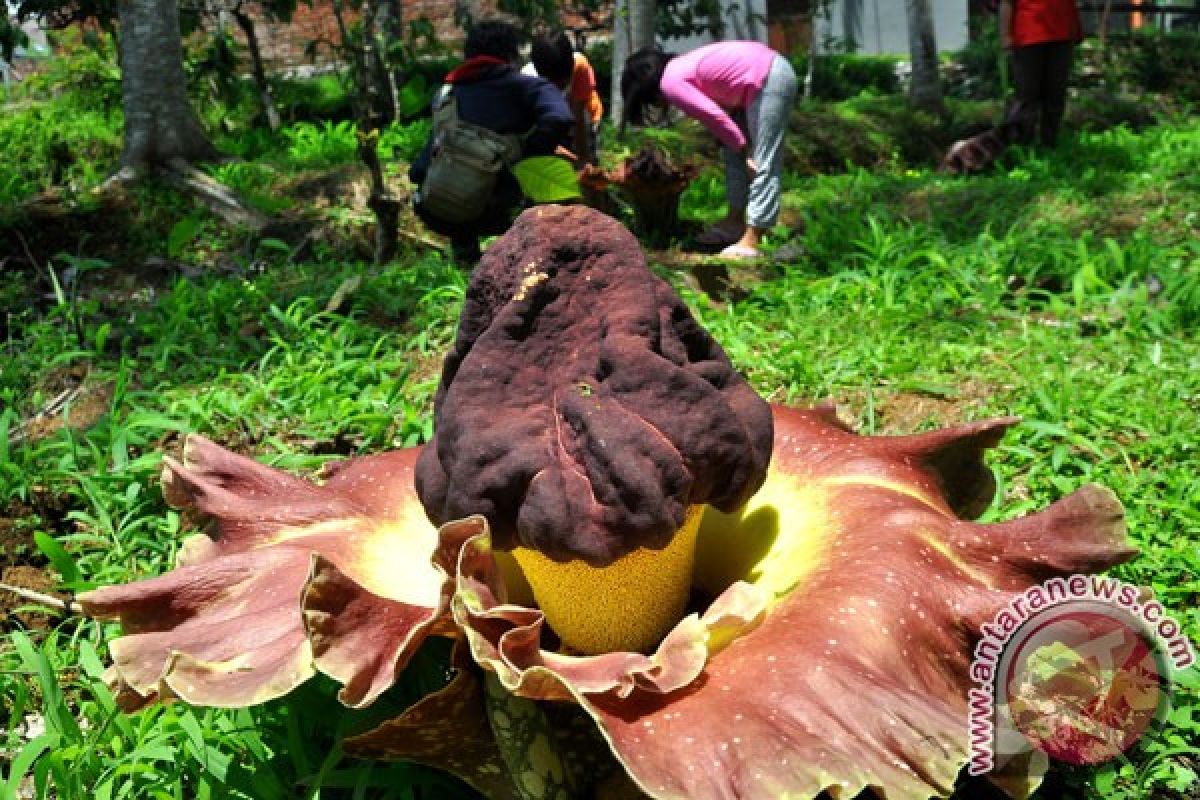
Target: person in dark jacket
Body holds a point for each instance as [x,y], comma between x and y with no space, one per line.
[493,94]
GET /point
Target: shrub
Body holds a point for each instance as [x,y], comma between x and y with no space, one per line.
[403,141]
[83,70]
[319,97]
[314,146]
[838,76]
[978,73]
[600,56]
[63,125]
[1168,63]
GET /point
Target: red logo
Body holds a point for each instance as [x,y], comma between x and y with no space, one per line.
[1083,682]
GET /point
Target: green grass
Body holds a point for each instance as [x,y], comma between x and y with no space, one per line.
[1064,288]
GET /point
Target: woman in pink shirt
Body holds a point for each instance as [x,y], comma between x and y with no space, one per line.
[743,93]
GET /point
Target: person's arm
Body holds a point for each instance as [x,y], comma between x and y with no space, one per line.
[1004,23]
[685,96]
[582,132]
[552,117]
[583,84]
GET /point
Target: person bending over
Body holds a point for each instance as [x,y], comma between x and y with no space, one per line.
[553,58]
[743,93]
[487,91]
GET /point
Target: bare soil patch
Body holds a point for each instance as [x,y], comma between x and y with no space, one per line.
[25,577]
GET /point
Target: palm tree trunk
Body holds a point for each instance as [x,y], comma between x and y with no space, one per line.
[633,29]
[622,47]
[641,22]
[1104,17]
[925,91]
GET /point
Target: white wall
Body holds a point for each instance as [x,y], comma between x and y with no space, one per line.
[881,26]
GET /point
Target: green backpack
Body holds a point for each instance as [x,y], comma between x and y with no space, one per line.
[466,161]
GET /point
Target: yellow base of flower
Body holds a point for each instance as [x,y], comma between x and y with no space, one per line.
[517,591]
[628,605]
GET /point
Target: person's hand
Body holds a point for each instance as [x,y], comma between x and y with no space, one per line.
[564,153]
[752,167]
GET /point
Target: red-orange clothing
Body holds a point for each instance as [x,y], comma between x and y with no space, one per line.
[1040,21]
[582,88]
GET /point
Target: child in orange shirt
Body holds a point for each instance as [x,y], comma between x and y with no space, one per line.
[554,59]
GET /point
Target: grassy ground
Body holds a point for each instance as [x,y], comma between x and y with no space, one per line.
[1064,288]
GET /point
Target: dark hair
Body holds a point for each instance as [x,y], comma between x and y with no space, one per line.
[640,82]
[553,56]
[493,37]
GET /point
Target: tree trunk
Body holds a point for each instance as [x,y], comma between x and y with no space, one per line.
[814,45]
[1104,17]
[852,26]
[925,91]
[633,29]
[390,26]
[260,74]
[160,125]
[621,49]
[466,12]
[383,88]
[641,23]
[363,62]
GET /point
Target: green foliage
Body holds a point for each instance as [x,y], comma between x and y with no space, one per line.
[279,751]
[981,60]
[420,61]
[216,63]
[403,141]
[320,98]
[83,72]
[599,55]
[182,233]
[62,126]
[314,146]
[547,179]
[54,144]
[682,18]
[1163,62]
[837,76]
[414,97]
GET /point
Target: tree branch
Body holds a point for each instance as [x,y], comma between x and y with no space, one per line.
[63,606]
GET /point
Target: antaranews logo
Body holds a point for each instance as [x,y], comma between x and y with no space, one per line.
[1077,668]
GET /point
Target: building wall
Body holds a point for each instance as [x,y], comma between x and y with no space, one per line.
[881,26]
[284,44]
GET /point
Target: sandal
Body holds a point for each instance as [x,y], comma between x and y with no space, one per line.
[740,252]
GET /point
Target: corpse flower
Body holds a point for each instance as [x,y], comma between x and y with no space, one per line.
[740,600]
[649,182]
